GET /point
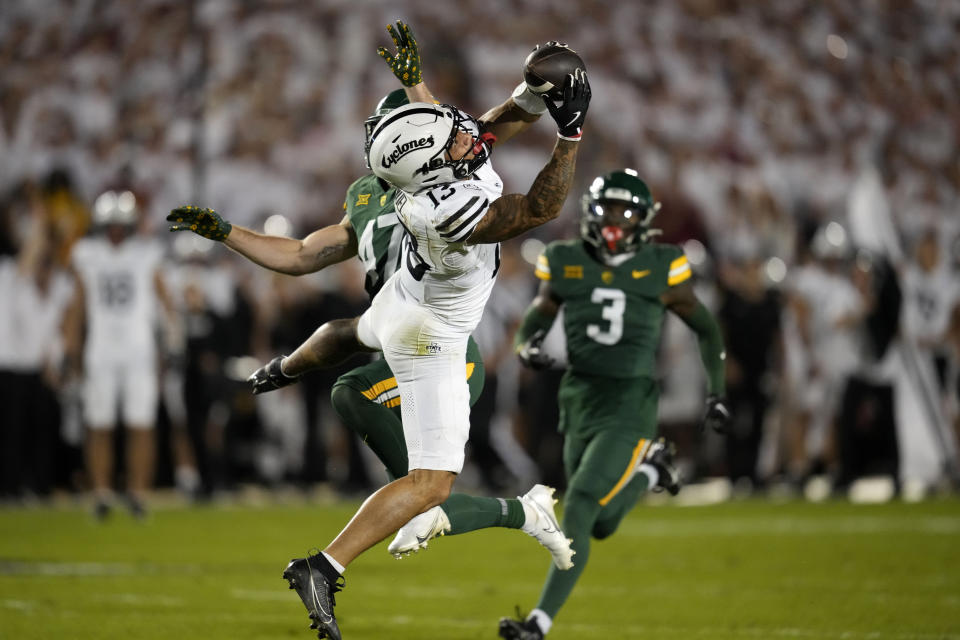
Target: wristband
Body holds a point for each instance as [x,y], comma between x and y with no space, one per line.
[528,100]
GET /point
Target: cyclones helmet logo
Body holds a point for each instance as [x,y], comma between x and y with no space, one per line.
[403,149]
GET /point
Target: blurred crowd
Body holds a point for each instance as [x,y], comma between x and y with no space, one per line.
[806,155]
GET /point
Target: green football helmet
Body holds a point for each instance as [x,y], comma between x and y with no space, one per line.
[617,211]
[388,103]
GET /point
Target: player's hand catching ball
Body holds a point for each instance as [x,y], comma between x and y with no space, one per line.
[717,415]
[405,64]
[204,222]
[571,111]
[531,352]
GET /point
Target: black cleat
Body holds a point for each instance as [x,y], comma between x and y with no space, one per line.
[660,456]
[136,508]
[101,510]
[316,592]
[511,629]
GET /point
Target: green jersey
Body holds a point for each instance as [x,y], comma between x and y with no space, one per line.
[612,315]
[369,208]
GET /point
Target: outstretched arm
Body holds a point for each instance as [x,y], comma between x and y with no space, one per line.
[505,120]
[515,213]
[512,214]
[320,249]
[514,115]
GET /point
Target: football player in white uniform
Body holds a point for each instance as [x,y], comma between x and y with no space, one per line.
[119,289]
[450,204]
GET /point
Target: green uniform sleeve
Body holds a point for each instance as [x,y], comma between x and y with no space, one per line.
[533,321]
[712,353]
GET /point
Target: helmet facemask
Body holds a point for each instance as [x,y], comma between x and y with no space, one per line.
[482,144]
[410,168]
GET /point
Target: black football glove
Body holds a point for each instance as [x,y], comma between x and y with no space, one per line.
[270,377]
[406,63]
[717,415]
[204,222]
[531,352]
[571,111]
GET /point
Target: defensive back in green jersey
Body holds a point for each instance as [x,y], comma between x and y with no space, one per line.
[612,315]
[371,212]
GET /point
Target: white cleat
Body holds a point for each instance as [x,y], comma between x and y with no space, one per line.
[545,527]
[414,535]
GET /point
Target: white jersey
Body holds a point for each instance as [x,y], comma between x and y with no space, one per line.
[121,300]
[928,301]
[440,272]
[30,317]
[831,298]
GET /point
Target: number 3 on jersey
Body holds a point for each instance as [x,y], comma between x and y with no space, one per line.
[614,303]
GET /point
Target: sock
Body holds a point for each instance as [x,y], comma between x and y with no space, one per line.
[334,565]
[469,513]
[653,476]
[187,478]
[580,511]
[378,426]
[542,620]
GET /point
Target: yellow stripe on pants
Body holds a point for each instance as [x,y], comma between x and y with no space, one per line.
[385,385]
[625,478]
[380,387]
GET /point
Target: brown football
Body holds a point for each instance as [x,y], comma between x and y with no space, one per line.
[547,67]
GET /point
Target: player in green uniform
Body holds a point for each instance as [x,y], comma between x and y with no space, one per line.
[614,287]
[367,398]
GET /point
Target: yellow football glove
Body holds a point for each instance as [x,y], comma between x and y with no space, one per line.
[406,63]
[203,222]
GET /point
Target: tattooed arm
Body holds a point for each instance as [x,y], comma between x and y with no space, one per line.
[320,249]
[507,120]
[512,214]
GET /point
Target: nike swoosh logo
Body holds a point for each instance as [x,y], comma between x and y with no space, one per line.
[325,616]
[574,119]
[641,274]
[422,540]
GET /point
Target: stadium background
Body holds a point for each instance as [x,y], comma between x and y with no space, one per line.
[757,126]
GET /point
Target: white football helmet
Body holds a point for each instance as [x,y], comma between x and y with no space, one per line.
[115,208]
[408,146]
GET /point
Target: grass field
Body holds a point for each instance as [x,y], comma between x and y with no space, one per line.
[750,570]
